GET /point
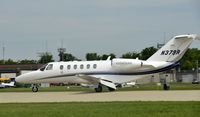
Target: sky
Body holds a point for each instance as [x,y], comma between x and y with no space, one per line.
[28,27]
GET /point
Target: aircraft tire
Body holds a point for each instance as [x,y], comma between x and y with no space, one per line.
[35,89]
[99,89]
[166,87]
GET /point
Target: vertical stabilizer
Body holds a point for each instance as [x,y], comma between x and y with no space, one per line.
[175,49]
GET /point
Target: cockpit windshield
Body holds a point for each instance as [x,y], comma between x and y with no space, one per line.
[43,67]
[49,67]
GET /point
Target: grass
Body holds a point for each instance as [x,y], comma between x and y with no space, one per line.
[145,87]
[101,109]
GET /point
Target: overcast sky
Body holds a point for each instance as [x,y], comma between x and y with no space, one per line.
[103,26]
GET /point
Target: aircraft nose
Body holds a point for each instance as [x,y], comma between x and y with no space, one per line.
[27,78]
[22,78]
[19,79]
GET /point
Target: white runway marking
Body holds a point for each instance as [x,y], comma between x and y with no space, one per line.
[100,97]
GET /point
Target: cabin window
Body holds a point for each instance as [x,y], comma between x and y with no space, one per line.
[68,67]
[81,66]
[49,67]
[75,66]
[88,66]
[61,67]
[95,66]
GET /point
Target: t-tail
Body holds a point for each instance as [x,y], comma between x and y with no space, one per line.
[174,50]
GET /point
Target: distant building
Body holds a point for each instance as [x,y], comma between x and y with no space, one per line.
[16,69]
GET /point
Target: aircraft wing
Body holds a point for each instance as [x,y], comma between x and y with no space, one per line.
[90,79]
[94,80]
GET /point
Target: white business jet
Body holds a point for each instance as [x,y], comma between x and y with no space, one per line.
[110,72]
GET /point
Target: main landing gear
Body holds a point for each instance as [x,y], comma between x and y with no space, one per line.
[99,88]
[166,86]
[35,88]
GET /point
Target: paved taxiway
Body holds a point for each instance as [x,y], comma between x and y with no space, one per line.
[98,97]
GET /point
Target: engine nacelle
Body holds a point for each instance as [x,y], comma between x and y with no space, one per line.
[127,63]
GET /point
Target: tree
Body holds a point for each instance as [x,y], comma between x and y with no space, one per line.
[46,58]
[187,65]
[188,62]
[27,62]
[148,52]
[105,56]
[92,56]
[69,57]
[9,62]
[131,55]
[1,62]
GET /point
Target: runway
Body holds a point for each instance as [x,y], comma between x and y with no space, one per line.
[29,97]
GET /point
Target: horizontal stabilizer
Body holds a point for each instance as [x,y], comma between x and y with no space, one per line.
[192,36]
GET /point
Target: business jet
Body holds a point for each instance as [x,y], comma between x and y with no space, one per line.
[108,72]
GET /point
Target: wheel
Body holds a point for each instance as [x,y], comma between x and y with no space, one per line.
[98,89]
[111,89]
[166,87]
[35,89]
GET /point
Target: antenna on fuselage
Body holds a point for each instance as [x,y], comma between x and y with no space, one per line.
[109,57]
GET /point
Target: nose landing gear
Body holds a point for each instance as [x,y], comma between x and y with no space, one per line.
[35,88]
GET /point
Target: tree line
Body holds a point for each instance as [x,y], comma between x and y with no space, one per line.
[188,62]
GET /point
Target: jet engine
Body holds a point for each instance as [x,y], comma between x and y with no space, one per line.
[127,63]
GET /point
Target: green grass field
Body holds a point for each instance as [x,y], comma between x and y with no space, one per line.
[145,87]
[102,109]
